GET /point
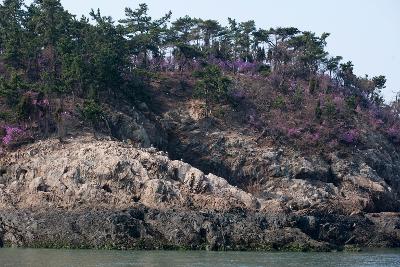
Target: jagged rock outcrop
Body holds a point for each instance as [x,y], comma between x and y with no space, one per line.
[85,172]
[362,180]
[103,193]
[133,124]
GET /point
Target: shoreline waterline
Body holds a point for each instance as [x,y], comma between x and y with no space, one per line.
[21,257]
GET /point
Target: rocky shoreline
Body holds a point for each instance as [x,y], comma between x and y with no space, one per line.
[105,194]
[143,228]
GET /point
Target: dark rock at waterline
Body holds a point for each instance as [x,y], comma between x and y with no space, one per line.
[143,228]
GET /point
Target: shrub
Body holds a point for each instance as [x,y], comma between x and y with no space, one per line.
[279,102]
[10,134]
[2,132]
[254,120]
[350,137]
[237,94]
[376,123]
[236,97]
[298,97]
[312,138]
[333,144]
[340,103]
[264,70]
[212,86]
[394,133]
[91,111]
[318,110]
[351,102]
[25,107]
[12,87]
[246,67]
[329,109]
[294,132]
[7,116]
[13,135]
[313,85]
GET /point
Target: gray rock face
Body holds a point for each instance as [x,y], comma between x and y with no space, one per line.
[107,194]
[88,173]
[359,181]
[136,127]
[140,227]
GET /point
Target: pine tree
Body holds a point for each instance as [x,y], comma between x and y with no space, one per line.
[51,25]
[11,33]
[212,86]
[145,35]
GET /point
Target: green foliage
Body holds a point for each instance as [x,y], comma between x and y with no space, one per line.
[12,39]
[145,34]
[351,102]
[137,89]
[44,48]
[311,48]
[8,116]
[346,73]
[264,70]
[212,86]
[332,64]
[182,30]
[298,97]
[60,54]
[209,30]
[329,109]
[25,107]
[91,111]
[379,84]
[279,102]
[51,29]
[12,87]
[313,85]
[188,51]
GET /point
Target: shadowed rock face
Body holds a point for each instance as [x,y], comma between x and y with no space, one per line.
[108,194]
[343,181]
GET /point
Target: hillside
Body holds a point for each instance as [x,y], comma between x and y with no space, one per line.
[146,133]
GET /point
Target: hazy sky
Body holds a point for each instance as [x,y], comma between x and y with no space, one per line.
[366,32]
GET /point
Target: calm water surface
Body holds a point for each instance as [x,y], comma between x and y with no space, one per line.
[89,258]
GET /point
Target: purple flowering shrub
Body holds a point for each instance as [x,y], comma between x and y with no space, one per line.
[393,133]
[14,135]
[294,132]
[246,67]
[311,111]
[237,95]
[341,121]
[11,134]
[32,105]
[295,106]
[339,102]
[238,66]
[312,138]
[350,136]
[376,123]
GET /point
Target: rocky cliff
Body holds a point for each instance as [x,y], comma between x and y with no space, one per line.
[342,181]
[103,193]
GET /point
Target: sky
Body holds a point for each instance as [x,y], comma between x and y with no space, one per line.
[367,32]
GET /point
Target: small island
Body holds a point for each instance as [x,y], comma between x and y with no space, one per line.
[165,134]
